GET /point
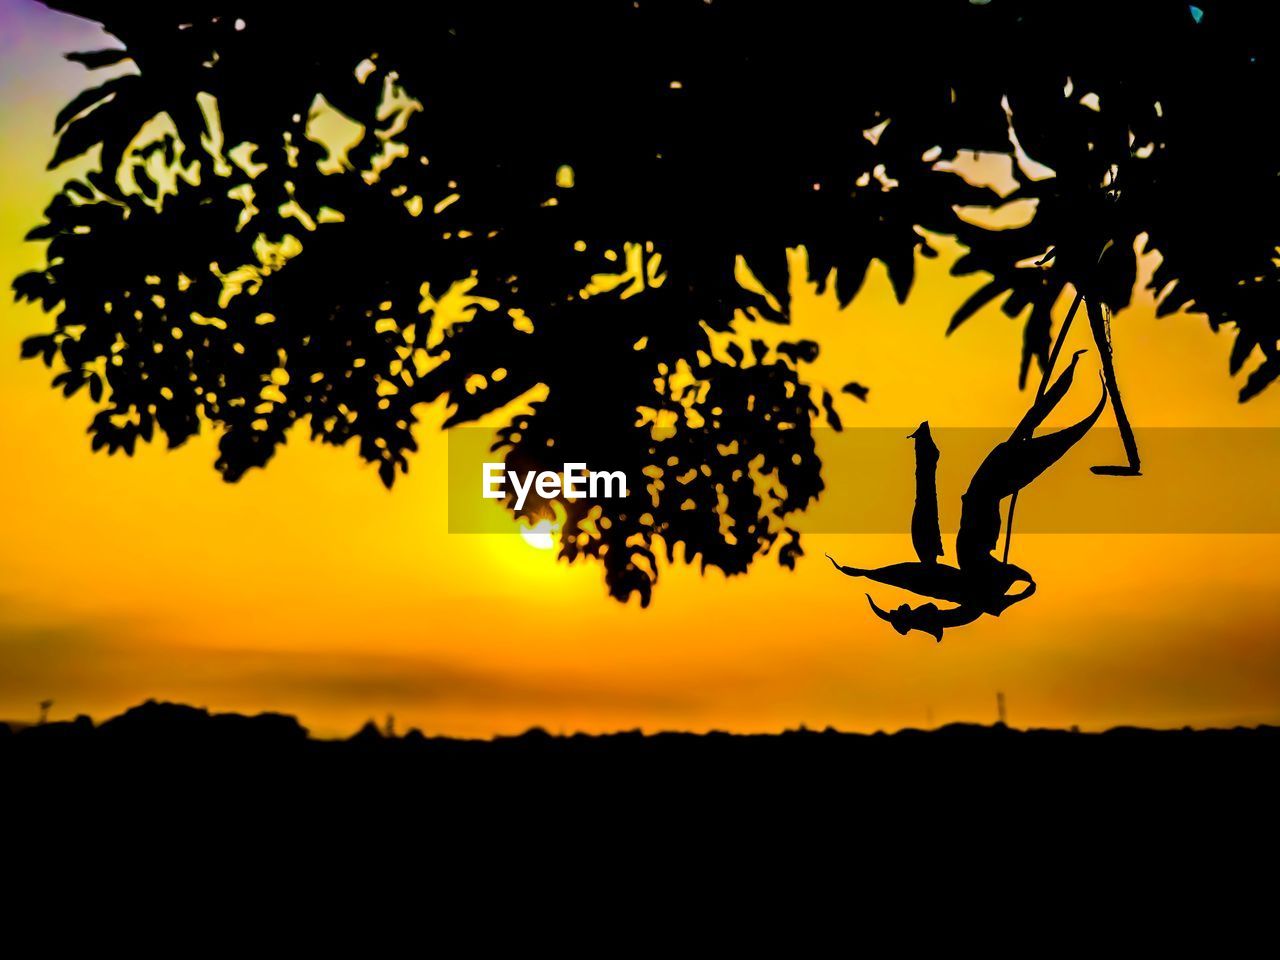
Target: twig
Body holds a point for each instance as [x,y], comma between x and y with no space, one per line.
[1044,385]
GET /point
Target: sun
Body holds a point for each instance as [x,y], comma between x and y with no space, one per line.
[542,535]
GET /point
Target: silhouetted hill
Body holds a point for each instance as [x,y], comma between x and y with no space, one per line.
[191,784]
[161,722]
[184,736]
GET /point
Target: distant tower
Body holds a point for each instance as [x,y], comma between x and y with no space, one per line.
[1000,711]
[44,711]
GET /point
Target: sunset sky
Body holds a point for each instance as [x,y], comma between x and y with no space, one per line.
[308,588]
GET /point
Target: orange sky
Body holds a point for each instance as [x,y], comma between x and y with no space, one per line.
[308,588]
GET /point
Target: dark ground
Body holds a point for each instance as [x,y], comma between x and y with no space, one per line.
[959,764]
[920,815]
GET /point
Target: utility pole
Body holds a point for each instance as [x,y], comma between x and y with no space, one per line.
[1000,711]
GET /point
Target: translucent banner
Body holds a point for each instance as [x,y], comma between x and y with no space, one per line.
[1194,480]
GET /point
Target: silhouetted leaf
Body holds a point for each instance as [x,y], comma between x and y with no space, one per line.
[1243,346]
[1262,377]
[93,59]
[976,302]
[86,99]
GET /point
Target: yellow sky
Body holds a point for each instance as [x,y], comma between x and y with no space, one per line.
[308,588]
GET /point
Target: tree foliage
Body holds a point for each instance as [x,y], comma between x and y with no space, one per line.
[284,203]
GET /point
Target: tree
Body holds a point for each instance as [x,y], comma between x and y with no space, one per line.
[280,206]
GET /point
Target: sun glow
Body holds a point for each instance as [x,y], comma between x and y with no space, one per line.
[542,535]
